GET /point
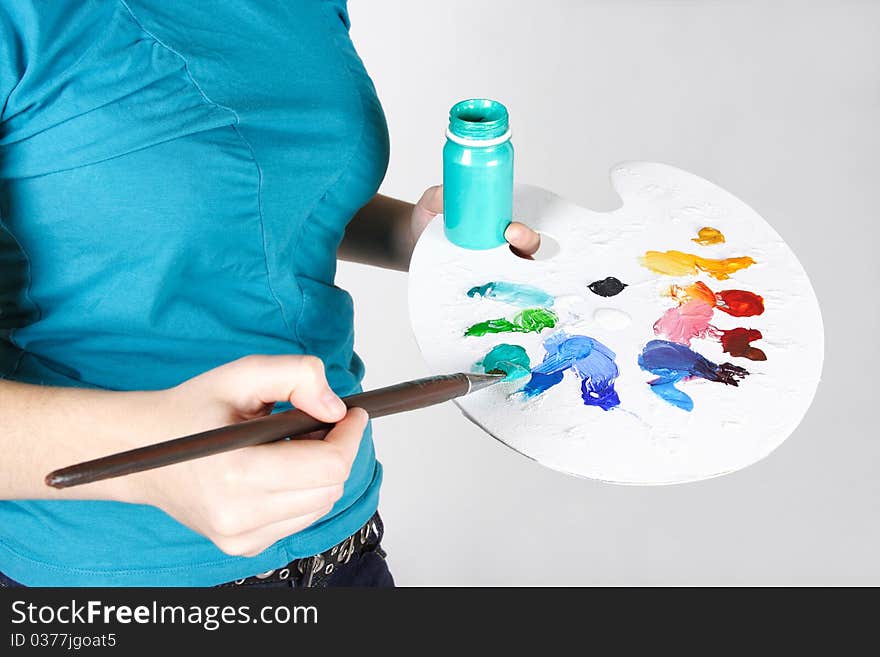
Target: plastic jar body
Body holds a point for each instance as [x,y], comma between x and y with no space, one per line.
[477,175]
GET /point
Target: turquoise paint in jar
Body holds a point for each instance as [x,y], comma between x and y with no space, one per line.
[477,174]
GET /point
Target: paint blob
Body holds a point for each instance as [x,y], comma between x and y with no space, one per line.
[607,287]
[707,236]
[510,359]
[736,342]
[686,322]
[739,303]
[698,291]
[678,263]
[592,361]
[673,362]
[530,320]
[515,294]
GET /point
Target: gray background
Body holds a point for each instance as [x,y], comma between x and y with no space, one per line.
[778,103]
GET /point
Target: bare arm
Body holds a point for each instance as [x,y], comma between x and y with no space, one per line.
[381,233]
[45,428]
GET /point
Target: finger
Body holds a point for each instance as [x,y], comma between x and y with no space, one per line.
[522,238]
[297,379]
[245,515]
[347,435]
[252,543]
[432,199]
[302,464]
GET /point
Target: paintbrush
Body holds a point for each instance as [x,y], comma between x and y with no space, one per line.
[294,423]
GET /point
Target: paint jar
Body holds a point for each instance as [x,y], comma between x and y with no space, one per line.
[477,174]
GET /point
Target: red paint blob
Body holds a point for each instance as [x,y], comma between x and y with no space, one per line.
[736,343]
[740,303]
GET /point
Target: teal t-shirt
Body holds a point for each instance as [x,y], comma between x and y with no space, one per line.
[175,178]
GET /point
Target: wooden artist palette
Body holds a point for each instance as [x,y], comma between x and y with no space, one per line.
[702,364]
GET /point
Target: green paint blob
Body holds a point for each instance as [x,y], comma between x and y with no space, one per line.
[508,358]
[530,320]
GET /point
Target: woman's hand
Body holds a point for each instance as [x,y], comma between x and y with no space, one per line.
[384,232]
[524,240]
[243,501]
[246,500]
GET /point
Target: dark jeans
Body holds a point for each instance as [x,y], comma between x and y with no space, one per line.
[366,568]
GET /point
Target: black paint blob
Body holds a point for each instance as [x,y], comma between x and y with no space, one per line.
[607,287]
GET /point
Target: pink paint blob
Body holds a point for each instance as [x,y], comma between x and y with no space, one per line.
[685,322]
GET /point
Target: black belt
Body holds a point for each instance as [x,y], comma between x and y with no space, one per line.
[314,571]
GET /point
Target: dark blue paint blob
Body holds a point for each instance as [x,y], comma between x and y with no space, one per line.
[673,362]
[602,395]
[590,359]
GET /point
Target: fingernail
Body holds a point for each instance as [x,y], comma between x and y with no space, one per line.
[333,403]
[514,232]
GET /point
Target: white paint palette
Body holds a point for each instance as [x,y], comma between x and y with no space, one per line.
[650,436]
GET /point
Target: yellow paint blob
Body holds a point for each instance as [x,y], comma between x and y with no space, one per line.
[708,235]
[678,263]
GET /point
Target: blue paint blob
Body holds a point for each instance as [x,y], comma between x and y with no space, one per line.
[598,372]
[673,395]
[538,383]
[673,362]
[513,293]
[591,360]
[603,396]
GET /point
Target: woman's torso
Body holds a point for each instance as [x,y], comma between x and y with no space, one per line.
[176,178]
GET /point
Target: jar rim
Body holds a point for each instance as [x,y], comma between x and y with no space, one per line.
[478,119]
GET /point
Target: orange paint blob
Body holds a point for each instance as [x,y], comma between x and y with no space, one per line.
[707,236]
[698,291]
[678,263]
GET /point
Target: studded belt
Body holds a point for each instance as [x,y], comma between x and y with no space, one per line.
[314,571]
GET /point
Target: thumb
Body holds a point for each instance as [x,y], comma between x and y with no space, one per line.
[432,200]
[427,207]
[300,380]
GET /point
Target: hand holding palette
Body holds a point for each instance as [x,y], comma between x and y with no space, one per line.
[673,339]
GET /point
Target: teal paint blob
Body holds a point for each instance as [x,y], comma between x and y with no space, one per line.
[515,294]
[508,358]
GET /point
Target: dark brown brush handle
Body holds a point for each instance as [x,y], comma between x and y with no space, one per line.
[270,428]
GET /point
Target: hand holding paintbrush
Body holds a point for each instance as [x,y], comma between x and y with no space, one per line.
[244,500]
[271,428]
